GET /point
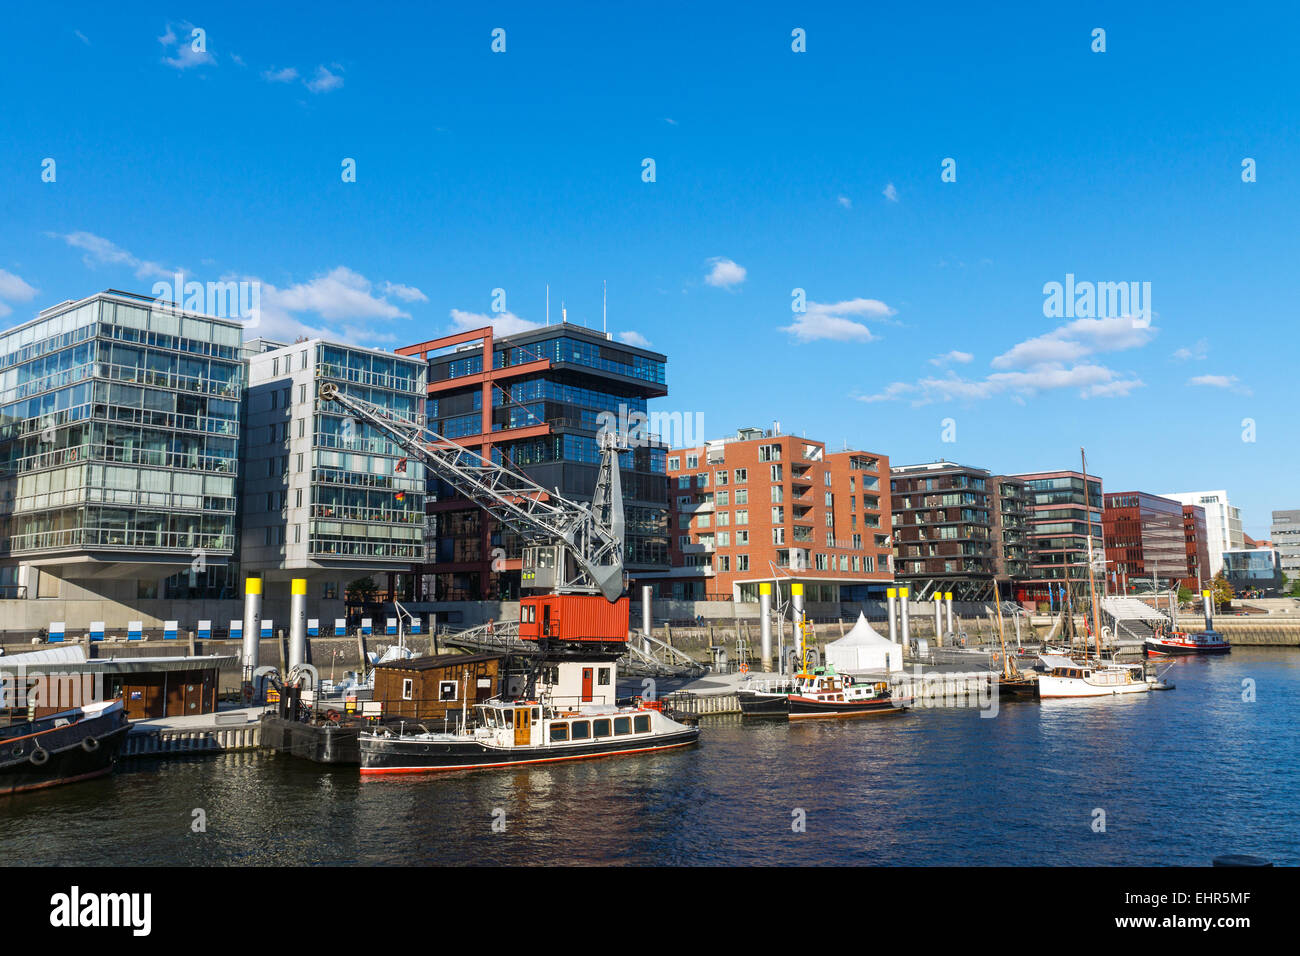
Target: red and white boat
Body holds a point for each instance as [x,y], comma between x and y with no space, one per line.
[1178,642]
[825,694]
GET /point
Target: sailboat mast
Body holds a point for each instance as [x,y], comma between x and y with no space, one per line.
[997,603]
[1092,587]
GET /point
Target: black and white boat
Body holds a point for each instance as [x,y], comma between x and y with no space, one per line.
[765,698]
[75,744]
[507,733]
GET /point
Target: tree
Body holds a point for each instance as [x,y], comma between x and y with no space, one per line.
[362,590]
[1184,594]
[1221,591]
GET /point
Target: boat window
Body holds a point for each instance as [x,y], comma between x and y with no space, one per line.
[581,730]
[508,717]
[642,723]
[559,732]
[600,728]
[622,725]
[537,713]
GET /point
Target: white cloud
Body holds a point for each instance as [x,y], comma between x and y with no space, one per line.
[339,294]
[287,75]
[1229,382]
[837,320]
[325,80]
[186,57]
[13,289]
[1199,351]
[634,338]
[81,36]
[890,193]
[670,121]
[503,323]
[844,201]
[407,293]
[1077,340]
[724,273]
[101,252]
[1093,381]
[953,357]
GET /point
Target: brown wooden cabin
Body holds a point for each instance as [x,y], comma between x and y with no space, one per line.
[429,688]
[148,686]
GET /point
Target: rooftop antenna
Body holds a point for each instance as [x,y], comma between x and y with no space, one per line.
[604,306]
[564,313]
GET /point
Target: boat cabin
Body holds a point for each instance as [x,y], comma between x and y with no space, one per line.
[534,724]
[436,688]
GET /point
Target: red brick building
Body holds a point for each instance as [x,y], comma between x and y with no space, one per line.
[763,506]
[1197,544]
[1144,539]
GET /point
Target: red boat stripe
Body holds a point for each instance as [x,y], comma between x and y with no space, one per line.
[514,763]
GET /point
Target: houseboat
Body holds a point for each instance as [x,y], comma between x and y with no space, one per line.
[573,717]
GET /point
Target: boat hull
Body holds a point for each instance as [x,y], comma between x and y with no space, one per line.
[755,704]
[1058,688]
[1018,689]
[1162,649]
[389,755]
[76,751]
[810,708]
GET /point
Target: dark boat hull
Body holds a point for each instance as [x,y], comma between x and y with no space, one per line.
[754,704]
[323,743]
[78,751]
[805,708]
[412,755]
[1167,650]
[1018,689]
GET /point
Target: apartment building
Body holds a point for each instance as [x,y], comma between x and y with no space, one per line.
[1064,507]
[958,529]
[1145,542]
[763,507]
[327,497]
[1196,542]
[119,435]
[535,400]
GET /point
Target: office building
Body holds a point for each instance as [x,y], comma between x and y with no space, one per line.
[327,497]
[1196,540]
[1146,548]
[1222,523]
[1253,572]
[535,400]
[119,435]
[763,507]
[1286,536]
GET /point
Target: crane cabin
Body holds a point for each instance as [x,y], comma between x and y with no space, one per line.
[587,620]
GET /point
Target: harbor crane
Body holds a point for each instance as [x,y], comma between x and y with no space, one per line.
[573,552]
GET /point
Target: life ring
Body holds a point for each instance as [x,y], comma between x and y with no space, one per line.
[333,716]
[90,745]
[43,755]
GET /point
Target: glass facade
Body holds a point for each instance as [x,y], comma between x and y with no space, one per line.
[119,431]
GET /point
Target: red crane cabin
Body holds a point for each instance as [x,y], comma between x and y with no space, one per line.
[581,618]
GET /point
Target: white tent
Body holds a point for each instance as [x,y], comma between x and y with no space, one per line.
[862,649]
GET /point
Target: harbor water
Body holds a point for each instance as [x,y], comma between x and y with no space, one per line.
[1148,779]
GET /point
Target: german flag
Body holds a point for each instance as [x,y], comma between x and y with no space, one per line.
[401,496]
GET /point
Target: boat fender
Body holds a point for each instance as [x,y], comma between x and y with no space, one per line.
[90,745]
[39,757]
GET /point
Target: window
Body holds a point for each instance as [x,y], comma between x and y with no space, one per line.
[297,498]
[302,394]
[297,534]
[302,427]
[724,538]
[692,461]
[830,500]
[778,535]
[600,728]
[820,560]
[742,496]
[769,452]
[683,481]
[742,537]
[447,690]
[674,463]
[724,518]
[778,515]
[702,479]
[826,479]
[581,730]
[720,478]
[742,516]
[622,725]
[602,676]
[408,689]
[329,590]
[641,723]
[742,476]
[559,733]
[722,498]
[742,562]
[724,563]
[776,472]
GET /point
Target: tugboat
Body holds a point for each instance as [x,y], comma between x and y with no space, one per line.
[508,733]
[1164,643]
[825,694]
[79,743]
[765,698]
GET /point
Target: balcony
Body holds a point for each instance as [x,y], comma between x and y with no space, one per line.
[699,547]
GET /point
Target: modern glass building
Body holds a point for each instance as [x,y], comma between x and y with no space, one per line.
[1146,546]
[1063,511]
[1253,571]
[119,434]
[536,404]
[326,496]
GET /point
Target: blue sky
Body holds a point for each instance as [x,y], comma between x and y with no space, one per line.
[774,171]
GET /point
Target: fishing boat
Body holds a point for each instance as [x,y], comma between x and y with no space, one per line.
[78,743]
[825,694]
[1166,643]
[553,727]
